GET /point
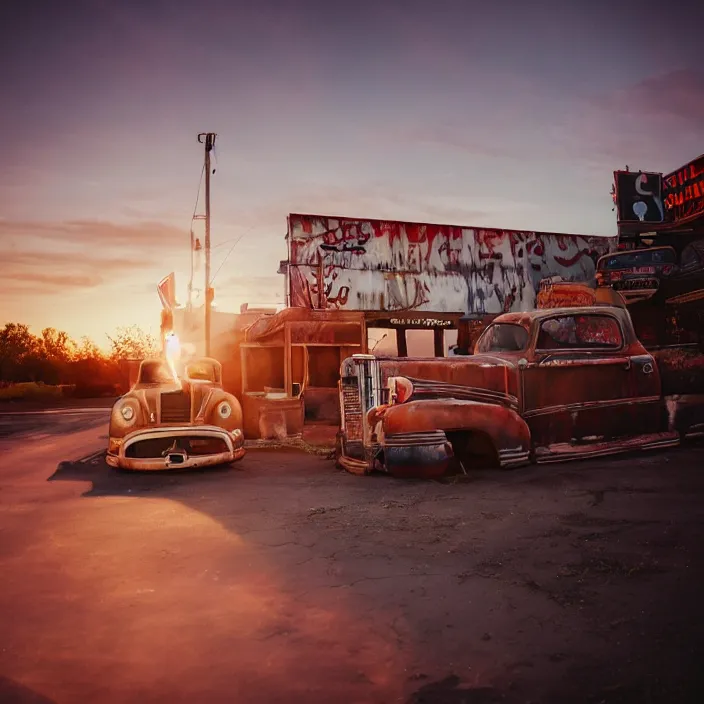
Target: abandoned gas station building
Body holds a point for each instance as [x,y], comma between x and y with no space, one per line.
[415,281]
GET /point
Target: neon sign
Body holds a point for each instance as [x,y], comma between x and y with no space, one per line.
[684,190]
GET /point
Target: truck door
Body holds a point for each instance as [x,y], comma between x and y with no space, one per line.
[584,384]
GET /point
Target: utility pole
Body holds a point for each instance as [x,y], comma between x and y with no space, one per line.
[207,138]
[190,280]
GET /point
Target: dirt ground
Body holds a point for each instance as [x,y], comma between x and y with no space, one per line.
[285,580]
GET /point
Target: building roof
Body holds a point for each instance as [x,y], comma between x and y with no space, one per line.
[268,327]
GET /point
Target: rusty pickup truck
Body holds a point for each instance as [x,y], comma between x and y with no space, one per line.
[542,386]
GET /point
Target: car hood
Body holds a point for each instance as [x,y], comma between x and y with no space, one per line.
[148,396]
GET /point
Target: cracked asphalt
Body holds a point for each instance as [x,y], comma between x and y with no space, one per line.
[282,579]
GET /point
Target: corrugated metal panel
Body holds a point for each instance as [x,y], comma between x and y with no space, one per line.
[344,264]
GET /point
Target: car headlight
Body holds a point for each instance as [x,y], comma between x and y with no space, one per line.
[127,412]
[224,410]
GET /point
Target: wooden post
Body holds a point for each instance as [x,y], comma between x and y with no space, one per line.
[401,346]
[439,342]
[287,359]
[209,144]
[321,284]
[243,360]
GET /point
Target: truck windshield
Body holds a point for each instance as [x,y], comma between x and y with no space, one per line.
[503,337]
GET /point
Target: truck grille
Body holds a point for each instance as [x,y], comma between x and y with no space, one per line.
[352,410]
[176,407]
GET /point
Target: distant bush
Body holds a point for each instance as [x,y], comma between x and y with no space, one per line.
[52,364]
[31,391]
[94,390]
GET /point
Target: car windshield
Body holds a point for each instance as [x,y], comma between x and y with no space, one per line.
[647,257]
[503,337]
[155,372]
[202,371]
[693,254]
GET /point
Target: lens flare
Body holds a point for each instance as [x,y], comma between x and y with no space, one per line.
[173,353]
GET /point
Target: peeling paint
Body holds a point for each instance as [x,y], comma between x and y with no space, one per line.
[345,264]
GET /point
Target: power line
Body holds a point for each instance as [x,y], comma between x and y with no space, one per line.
[190,246]
[200,184]
[230,252]
[224,242]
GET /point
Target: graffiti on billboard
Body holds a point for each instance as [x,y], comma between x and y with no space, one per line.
[379,265]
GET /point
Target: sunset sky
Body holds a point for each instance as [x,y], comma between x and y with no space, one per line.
[489,113]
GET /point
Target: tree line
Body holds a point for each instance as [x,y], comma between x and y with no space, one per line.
[54,358]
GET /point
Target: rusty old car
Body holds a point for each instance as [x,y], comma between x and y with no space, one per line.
[655,272]
[172,421]
[542,386]
[636,274]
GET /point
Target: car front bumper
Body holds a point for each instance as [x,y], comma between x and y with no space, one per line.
[176,457]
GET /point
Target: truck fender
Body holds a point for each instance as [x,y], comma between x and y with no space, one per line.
[504,428]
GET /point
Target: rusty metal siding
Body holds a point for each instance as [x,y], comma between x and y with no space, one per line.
[344,264]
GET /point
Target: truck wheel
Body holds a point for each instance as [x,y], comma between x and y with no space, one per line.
[473,450]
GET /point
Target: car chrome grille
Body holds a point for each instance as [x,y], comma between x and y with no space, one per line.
[635,284]
[176,407]
[352,409]
[194,446]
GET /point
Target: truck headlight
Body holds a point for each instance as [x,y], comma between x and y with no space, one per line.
[127,412]
[224,410]
[400,389]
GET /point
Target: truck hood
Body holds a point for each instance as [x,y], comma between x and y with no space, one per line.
[482,377]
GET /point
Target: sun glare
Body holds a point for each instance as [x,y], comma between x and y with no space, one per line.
[173,353]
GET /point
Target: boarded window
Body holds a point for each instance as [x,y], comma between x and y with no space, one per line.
[580,332]
[323,367]
[264,368]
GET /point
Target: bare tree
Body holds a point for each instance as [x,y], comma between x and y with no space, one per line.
[133,343]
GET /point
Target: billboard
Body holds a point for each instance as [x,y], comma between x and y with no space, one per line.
[683,190]
[638,197]
[374,265]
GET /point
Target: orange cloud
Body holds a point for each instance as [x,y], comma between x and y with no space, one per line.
[33,280]
[34,258]
[96,232]
[45,257]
